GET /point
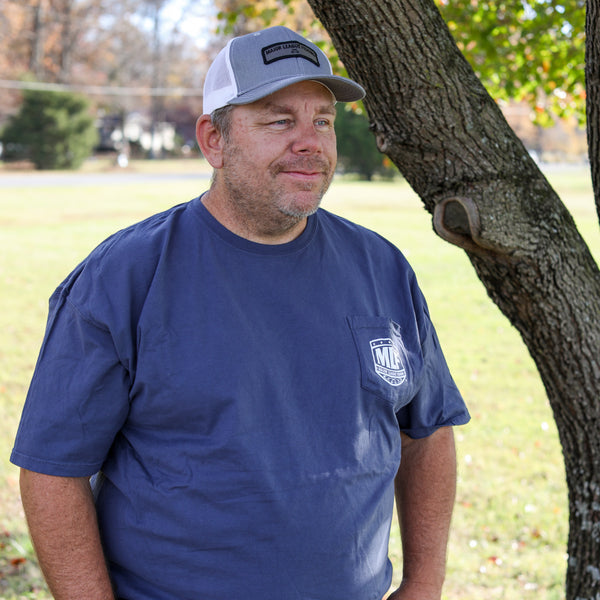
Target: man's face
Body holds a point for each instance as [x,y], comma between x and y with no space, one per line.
[280,156]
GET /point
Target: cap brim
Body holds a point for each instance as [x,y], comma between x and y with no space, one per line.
[343,89]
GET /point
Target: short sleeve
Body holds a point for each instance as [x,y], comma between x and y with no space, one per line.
[437,401]
[78,397]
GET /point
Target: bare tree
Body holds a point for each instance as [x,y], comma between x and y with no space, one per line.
[37,38]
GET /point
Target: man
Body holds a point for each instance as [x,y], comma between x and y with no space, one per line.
[241,374]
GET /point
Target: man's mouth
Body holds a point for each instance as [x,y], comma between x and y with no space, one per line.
[305,172]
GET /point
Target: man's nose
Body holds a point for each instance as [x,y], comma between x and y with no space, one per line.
[307,139]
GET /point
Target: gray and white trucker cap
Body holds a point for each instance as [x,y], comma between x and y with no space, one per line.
[255,65]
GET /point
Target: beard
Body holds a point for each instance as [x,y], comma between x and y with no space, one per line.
[265,199]
[292,207]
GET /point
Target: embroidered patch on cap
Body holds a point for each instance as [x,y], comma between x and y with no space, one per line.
[276,52]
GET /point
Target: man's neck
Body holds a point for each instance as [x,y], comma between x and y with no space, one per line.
[223,209]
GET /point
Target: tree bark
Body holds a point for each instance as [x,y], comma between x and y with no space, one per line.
[592,86]
[437,123]
[67,42]
[37,39]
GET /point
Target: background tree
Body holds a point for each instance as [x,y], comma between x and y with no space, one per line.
[103,43]
[357,150]
[37,37]
[531,51]
[592,76]
[53,129]
[237,17]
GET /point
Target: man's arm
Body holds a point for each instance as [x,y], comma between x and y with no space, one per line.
[62,521]
[425,492]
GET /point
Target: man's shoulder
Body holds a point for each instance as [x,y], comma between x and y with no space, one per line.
[142,236]
[126,261]
[353,233]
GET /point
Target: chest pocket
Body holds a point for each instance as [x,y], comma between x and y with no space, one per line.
[391,361]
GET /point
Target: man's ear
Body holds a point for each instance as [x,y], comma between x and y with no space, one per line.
[210,141]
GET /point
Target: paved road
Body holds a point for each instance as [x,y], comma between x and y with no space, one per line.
[29,179]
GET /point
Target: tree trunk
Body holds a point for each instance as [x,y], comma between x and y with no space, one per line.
[156,107]
[592,86]
[67,44]
[36,57]
[436,122]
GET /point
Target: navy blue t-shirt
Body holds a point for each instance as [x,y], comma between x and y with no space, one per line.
[242,402]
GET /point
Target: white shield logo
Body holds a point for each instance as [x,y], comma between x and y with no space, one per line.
[387,361]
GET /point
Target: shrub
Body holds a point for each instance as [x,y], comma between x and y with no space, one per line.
[52,129]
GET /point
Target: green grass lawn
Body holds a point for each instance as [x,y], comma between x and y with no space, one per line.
[510,523]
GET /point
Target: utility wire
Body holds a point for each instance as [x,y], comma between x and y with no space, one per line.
[98,89]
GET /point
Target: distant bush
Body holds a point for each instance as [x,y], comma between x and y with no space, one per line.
[54,130]
[357,150]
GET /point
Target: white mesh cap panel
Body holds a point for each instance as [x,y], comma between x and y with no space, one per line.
[220,85]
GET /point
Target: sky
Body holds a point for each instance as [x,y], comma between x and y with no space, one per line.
[197,18]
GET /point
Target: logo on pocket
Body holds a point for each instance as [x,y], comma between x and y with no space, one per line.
[387,361]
